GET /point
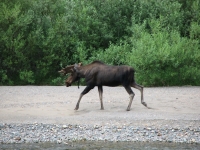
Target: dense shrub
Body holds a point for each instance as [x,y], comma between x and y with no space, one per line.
[159,38]
[165,58]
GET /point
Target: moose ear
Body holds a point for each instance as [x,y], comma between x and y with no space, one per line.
[76,66]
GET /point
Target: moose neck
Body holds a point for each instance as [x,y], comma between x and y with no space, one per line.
[82,71]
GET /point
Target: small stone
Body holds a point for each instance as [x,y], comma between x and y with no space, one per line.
[184,140]
[35,141]
[192,140]
[159,134]
[18,138]
[64,126]
[1,126]
[96,127]
[59,141]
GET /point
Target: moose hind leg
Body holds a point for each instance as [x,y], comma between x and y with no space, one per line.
[85,91]
[131,94]
[140,88]
[100,89]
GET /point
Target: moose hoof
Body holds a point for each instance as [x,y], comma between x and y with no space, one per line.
[128,109]
[76,108]
[145,104]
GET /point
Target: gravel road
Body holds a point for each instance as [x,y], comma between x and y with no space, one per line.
[34,114]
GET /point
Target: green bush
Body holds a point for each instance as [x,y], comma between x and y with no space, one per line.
[26,77]
[57,81]
[114,55]
[164,58]
[159,38]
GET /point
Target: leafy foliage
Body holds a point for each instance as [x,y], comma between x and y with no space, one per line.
[159,38]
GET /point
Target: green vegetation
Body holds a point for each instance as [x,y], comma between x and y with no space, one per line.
[159,38]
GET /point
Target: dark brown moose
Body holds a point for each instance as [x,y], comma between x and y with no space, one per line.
[99,74]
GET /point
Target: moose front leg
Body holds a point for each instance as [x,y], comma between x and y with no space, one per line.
[77,105]
[85,91]
[100,89]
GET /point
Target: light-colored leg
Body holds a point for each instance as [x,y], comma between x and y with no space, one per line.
[130,102]
[131,94]
[139,87]
[77,105]
[100,89]
[85,91]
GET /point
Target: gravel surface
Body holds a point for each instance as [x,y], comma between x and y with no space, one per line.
[38,114]
[37,133]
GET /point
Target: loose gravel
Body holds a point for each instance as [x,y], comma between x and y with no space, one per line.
[57,133]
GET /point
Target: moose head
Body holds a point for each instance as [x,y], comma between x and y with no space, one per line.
[73,77]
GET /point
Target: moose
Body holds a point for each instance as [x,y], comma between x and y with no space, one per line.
[99,74]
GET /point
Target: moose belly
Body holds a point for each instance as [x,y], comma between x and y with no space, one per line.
[110,83]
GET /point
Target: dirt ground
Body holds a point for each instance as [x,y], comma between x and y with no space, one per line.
[55,104]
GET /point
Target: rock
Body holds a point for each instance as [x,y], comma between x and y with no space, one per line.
[148,128]
[64,126]
[96,127]
[159,134]
[1,126]
[59,141]
[193,141]
[18,138]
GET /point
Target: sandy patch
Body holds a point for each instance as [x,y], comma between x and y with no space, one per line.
[55,104]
